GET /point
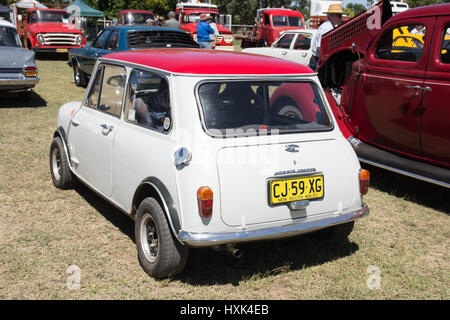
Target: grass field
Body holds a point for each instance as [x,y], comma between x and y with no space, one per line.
[43,231]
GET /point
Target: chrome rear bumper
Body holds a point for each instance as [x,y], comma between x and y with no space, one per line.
[15,83]
[212,239]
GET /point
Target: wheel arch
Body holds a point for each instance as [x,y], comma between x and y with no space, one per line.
[153,187]
[61,133]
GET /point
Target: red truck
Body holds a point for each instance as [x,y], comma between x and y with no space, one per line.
[129,17]
[270,22]
[48,30]
[391,77]
[188,13]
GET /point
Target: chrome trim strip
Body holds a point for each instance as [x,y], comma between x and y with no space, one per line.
[406,173]
[211,239]
[12,82]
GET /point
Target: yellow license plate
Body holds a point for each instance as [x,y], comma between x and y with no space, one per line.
[61,50]
[296,189]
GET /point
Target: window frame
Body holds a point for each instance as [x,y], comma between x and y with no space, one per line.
[100,66]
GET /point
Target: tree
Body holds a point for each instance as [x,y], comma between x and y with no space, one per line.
[353,9]
[420,3]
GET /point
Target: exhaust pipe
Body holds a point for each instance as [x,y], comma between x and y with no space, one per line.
[229,250]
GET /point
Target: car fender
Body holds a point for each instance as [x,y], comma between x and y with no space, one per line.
[148,187]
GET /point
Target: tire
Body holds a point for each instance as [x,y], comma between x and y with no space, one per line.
[79,76]
[62,177]
[339,233]
[288,108]
[159,253]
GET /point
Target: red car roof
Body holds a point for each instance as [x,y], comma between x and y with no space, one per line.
[135,11]
[283,12]
[209,62]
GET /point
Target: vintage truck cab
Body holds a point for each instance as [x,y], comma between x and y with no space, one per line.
[132,17]
[188,13]
[48,30]
[270,23]
[392,77]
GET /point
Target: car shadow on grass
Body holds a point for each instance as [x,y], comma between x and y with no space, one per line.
[260,259]
[414,190]
[107,210]
[12,100]
[49,56]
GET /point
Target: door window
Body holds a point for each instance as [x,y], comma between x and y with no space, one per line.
[148,101]
[285,41]
[403,43]
[100,41]
[445,46]
[107,90]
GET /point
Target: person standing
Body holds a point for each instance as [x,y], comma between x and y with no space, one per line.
[171,22]
[334,18]
[213,38]
[204,31]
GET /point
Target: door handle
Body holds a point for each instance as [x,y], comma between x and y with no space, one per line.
[106,129]
[284,53]
[414,87]
[75,122]
[426,89]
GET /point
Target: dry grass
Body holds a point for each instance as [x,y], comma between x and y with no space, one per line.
[44,230]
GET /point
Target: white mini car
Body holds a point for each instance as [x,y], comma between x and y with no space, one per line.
[201,148]
[292,45]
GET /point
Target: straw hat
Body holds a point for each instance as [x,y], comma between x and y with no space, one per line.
[203,17]
[335,8]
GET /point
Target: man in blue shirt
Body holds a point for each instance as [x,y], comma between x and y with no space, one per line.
[203,32]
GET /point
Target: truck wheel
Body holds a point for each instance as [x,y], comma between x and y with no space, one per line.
[62,177]
[159,253]
[79,76]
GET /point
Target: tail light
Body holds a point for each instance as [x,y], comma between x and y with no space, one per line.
[30,71]
[364,180]
[205,201]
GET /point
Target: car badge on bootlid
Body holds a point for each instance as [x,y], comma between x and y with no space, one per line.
[291,148]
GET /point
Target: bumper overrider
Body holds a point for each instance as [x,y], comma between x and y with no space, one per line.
[305,226]
[18,84]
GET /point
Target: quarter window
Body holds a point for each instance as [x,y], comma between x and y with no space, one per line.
[148,101]
[303,42]
[445,46]
[404,43]
[285,41]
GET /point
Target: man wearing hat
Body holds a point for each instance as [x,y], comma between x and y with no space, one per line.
[203,32]
[334,18]
[171,22]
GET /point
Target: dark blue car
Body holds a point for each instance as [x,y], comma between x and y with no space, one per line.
[121,38]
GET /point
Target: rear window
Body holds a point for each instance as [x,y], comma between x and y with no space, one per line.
[284,21]
[159,38]
[233,108]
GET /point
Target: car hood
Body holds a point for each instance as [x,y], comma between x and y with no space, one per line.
[16,57]
[53,27]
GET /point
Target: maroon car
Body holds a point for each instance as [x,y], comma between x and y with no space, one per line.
[392,85]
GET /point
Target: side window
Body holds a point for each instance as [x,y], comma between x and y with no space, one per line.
[266,19]
[113,41]
[403,43]
[148,101]
[98,43]
[107,90]
[303,42]
[445,46]
[285,41]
